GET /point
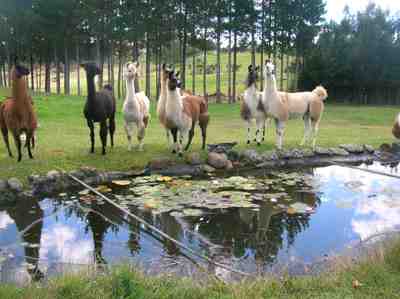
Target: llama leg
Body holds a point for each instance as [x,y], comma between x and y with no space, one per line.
[29,136]
[103,136]
[129,133]
[248,132]
[191,134]
[91,128]
[168,137]
[264,129]
[203,135]
[174,133]
[141,133]
[315,128]
[112,130]
[280,128]
[17,140]
[259,123]
[306,130]
[4,131]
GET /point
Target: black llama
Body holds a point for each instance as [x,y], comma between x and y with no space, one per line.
[99,107]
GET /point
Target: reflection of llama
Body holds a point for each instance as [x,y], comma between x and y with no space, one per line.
[251,106]
[99,107]
[136,107]
[17,114]
[396,127]
[283,105]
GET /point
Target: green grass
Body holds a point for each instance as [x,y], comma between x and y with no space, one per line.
[63,137]
[378,273]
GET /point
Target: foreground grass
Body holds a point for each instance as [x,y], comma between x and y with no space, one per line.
[63,137]
[378,276]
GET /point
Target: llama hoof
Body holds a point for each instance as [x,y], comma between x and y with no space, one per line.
[174,151]
[258,144]
[180,154]
[248,141]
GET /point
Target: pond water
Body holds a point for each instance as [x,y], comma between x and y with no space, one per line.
[254,222]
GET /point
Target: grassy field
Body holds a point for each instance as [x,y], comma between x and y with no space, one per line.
[63,137]
[377,276]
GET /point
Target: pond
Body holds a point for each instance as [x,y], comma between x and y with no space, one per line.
[255,222]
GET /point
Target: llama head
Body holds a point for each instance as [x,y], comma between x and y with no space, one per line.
[131,70]
[321,92]
[252,76]
[269,69]
[91,69]
[20,71]
[173,80]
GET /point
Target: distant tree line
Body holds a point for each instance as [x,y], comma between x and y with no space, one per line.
[54,36]
[357,59]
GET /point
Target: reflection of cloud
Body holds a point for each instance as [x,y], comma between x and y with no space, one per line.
[374,216]
[371,214]
[5,220]
[62,243]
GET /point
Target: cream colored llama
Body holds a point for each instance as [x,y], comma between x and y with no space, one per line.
[283,106]
[136,107]
[182,112]
[252,106]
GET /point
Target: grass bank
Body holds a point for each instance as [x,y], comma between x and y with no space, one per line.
[63,137]
[376,276]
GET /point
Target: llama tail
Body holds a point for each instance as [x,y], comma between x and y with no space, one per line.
[2,121]
[321,92]
[396,127]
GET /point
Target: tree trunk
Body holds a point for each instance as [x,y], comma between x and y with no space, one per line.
[40,73]
[119,70]
[218,68]
[78,69]
[66,71]
[194,73]
[159,62]
[205,64]
[47,79]
[57,63]
[135,58]
[253,47]
[234,66]
[100,61]
[148,66]
[230,59]
[184,49]
[282,68]
[112,79]
[32,72]
[1,75]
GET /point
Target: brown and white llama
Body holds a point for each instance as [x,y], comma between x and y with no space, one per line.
[183,112]
[136,108]
[17,113]
[396,127]
[283,106]
[252,106]
[99,107]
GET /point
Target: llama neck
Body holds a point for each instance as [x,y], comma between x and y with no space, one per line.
[130,90]
[270,85]
[91,88]
[19,91]
[174,102]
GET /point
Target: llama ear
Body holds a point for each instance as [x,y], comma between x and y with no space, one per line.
[257,68]
[250,67]
[137,64]
[178,73]
[82,65]
[267,61]
[164,66]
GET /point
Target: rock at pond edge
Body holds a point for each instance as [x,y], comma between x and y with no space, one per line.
[15,185]
[217,160]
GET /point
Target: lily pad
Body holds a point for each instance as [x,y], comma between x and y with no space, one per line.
[121,183]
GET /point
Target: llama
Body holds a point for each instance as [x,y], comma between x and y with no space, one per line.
[252,106]
[17,113]
[136,107]
[99,107]
[396,127]
[183,112]
[283,105]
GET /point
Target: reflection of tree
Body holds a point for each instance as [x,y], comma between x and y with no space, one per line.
[172,228]
[262,231]
[24,213]
[101,218]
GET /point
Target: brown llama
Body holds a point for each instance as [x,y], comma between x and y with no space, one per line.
[183,112]
[17,114]
[396,127]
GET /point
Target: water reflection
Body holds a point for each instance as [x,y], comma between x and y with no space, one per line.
[347,205]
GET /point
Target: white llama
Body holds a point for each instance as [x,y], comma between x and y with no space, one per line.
[162,100]
[283,105]
[136,107]
[252,106]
